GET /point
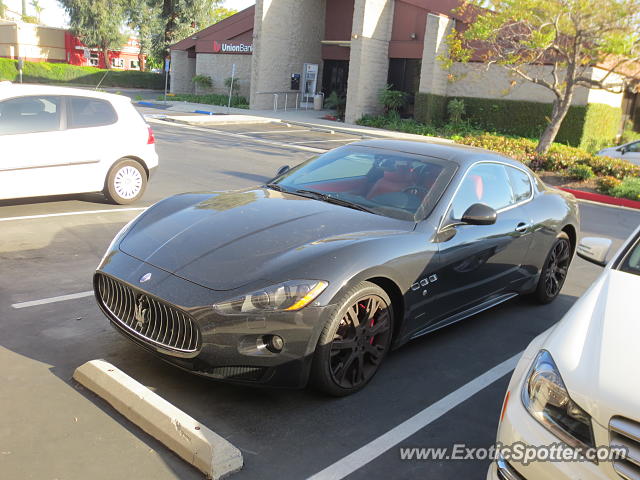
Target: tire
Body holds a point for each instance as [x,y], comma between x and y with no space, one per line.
[125,182]
[348,355]
[554,271]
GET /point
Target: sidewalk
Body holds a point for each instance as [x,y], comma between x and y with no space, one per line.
[307,118]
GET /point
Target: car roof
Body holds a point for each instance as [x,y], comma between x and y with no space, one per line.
[10,90]
[461,154]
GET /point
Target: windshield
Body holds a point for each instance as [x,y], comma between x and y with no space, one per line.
[389,183]
[631,261]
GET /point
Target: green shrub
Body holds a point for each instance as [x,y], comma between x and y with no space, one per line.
[581,172]
[211,99]
[203,81]
[235,87]
[606,184]
[455,109]
[628,188]
[391,100]
[336,102]
[62,73]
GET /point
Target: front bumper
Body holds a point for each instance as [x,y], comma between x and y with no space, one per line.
[229,344]
[519,427]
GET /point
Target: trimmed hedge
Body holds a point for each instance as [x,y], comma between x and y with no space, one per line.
[430,108]
[600,127]
[589,127]
[63,73]
[211,99]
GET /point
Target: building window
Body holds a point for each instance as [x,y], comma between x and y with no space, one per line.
[94,59]
[134,64]
[117,63]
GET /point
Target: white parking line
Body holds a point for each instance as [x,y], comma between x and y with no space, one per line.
[61,298]
[64,214]
[377,447]
[266,132]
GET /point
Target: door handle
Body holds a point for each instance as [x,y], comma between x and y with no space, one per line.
[522,227]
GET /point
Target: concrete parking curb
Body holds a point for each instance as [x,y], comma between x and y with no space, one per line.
[195,443]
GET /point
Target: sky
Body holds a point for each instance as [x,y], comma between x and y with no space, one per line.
[55,16]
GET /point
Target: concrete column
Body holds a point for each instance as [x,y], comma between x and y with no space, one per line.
[286,34]
[181,71]
[433,78]
[369,58]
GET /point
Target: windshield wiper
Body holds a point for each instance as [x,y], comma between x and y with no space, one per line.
[329,199]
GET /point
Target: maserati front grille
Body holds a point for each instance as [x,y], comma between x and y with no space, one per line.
[147,318]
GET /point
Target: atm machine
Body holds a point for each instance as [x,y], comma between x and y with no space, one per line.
[309,81]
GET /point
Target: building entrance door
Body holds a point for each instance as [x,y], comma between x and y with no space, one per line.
[334,77]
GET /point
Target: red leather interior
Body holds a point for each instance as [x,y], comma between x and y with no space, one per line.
[479,186]
[392,181]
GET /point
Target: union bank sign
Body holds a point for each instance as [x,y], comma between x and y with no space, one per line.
[238,48]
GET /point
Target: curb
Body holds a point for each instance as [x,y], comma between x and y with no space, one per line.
[599,198]
[194,442]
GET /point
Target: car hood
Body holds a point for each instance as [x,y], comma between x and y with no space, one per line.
[223,241]
[595,347]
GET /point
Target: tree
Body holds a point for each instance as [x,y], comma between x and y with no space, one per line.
[97,23]
[570,37]
[3,9]
[38,9]
[143,17]
[182,18]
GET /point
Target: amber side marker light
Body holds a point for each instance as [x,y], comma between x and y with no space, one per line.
[504,405]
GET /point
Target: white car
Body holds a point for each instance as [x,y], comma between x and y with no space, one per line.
[56,140]
[629,151]
[577,385]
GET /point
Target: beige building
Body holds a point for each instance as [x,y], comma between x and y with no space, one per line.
[32,42]
[355,48]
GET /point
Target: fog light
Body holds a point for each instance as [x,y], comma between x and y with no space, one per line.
[274,343]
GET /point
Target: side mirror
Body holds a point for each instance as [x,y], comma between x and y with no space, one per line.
[594,250]
[479,214]
[282,170]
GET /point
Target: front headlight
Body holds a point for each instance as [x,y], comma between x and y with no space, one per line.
[287,296]
[546,397]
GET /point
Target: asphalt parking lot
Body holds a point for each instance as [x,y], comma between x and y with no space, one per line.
[52,428]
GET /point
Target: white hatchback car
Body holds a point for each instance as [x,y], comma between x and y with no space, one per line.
[57,140]
[576,388]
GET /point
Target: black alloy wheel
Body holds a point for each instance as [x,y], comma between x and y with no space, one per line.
[354,341]
[360,342]
[555,270]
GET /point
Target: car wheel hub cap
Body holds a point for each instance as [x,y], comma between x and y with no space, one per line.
[360,342]
[127,182]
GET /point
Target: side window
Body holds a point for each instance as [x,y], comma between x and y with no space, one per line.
[520,184]
[30,115]
[634,147]
[486,183]
[90,112]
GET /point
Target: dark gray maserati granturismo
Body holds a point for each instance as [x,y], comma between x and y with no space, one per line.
[319,273]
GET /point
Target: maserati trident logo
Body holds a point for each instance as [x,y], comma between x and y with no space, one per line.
[145,278]
[141,311]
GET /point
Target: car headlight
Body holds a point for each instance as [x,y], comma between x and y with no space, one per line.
[287,296]
[546,398]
